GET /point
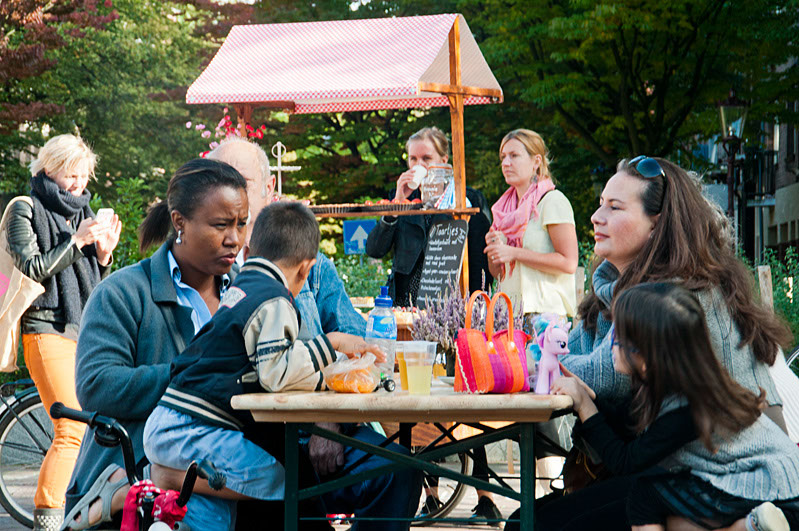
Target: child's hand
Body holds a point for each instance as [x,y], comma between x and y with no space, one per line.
[566,385]
[354,346]
[588,390]
[579,393]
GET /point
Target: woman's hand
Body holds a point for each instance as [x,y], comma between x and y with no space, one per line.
[88,232]
[495,236]
[500,253]
[404,189]
[107,242]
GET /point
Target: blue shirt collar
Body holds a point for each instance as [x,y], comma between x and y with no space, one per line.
[174,269]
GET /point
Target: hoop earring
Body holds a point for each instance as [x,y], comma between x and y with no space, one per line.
[179,240]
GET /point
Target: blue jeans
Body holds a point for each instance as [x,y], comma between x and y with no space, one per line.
[389,496]
[174,439]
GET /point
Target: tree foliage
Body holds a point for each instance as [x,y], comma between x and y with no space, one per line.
[599,80]
[31,31]
[640,76]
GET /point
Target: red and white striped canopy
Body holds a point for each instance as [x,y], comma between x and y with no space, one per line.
[341,65]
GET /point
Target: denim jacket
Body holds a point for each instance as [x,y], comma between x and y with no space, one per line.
[324,305]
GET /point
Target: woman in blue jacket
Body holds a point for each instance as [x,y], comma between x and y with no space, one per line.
[143,315]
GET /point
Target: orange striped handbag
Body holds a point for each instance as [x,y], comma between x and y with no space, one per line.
[490,362]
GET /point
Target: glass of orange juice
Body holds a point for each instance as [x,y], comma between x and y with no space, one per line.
[402,367]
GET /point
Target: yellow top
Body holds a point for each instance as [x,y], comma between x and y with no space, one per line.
[541,292]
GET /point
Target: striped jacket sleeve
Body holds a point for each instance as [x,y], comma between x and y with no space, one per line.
[283,362]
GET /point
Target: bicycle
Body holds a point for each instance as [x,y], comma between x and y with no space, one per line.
[109,433]
[26,433]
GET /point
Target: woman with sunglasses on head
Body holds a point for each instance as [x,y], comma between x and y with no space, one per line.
[532,244]
[653,224]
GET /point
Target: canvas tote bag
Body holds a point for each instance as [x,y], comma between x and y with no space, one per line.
[17,292]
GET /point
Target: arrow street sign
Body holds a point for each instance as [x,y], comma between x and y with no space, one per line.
[355,234]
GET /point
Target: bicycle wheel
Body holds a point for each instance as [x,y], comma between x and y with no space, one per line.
[450,492]
[25,436]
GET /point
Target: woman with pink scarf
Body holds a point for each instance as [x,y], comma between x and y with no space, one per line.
[532,244]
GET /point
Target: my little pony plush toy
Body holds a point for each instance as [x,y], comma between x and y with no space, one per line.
[552,339]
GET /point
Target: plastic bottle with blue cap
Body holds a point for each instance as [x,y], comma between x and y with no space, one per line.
[381,330]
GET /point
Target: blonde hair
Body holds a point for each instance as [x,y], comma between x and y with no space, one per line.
[435,136]
[534,145]
[62,153]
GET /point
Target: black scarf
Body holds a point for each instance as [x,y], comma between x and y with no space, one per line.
[52,207]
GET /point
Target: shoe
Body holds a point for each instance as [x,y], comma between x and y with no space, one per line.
[431,505]
[486,510]
[767,517]
[47,519]
[101,489]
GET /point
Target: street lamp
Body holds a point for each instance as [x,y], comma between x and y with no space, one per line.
[732,113]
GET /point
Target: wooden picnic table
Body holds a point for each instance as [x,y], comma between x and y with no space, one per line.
[299,410]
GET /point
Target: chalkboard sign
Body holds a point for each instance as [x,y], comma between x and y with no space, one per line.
[442,259]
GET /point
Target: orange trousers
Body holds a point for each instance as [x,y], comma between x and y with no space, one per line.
[50,359]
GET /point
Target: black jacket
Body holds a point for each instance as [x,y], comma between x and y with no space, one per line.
[249,345]
[40,264]
[407,235]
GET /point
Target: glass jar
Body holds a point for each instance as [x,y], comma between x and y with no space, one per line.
[439,176]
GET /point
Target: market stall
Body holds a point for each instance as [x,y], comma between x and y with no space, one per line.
[355,65]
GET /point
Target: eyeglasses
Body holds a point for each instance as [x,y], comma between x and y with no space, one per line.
[616,343]
[649,168]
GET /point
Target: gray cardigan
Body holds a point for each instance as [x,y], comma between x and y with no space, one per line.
[591,358]
[759,462]
[123,357]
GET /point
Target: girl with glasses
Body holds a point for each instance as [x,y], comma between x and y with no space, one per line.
[702,451]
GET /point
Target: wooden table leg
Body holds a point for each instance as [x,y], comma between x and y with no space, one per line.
[527,466]
[291,514]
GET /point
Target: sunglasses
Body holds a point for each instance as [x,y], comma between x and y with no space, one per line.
[649,168]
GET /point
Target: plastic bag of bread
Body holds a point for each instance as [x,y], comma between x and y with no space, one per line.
[356,375]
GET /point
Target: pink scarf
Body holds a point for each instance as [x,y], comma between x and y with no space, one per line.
[511,215]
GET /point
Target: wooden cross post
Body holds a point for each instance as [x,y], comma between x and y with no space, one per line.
[458,142]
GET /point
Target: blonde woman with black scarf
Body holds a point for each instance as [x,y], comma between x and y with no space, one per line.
[57,242]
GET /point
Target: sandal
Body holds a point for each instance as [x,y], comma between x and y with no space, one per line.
[101,489]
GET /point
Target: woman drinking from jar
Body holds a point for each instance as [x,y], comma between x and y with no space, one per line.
[407,235]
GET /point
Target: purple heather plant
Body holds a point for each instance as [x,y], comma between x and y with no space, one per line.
[443,318]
